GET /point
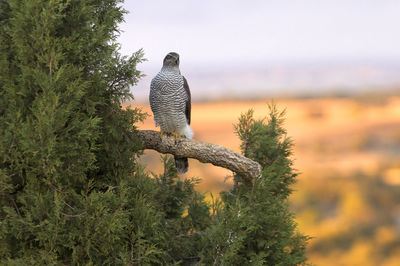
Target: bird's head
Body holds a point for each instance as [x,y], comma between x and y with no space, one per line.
[171,59]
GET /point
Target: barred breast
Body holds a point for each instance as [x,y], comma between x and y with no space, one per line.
[167,101]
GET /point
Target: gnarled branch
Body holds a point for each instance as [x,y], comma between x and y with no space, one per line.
[202,151]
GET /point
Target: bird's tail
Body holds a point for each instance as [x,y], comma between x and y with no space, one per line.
[181,164]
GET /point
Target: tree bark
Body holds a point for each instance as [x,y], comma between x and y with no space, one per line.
[202,151]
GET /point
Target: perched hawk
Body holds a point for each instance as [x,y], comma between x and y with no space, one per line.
[170,103]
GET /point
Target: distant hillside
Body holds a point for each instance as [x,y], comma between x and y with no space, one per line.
[312,79]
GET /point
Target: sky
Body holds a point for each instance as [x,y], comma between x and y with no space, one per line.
[231,33]
[256,31]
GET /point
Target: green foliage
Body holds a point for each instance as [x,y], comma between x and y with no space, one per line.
[254,225]
[185,212]
[266,143]
[71,191]
[67,149]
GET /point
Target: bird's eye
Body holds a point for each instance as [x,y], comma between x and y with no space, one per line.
[176,61]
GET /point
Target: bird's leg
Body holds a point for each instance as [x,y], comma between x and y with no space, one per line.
[176,135]
[162,132]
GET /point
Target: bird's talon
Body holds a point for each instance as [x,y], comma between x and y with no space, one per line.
[162,132]
[175,135]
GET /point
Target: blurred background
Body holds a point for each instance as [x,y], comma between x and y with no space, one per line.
[333,65]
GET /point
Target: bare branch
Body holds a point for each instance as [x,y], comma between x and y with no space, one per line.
[202,151]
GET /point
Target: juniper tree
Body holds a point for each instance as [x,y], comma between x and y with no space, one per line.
[66,148]
[254,226]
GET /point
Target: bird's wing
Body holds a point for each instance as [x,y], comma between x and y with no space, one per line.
[151,100]
[151,95]
[188,104]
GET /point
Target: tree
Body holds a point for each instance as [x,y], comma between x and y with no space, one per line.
[254,225]
[71,191]
[66,144]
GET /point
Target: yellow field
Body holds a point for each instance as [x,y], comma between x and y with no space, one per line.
[344,149]
[329,134]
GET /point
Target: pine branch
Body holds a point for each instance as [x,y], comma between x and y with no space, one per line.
[202,151]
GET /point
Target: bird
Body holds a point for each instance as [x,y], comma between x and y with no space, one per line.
[170,102]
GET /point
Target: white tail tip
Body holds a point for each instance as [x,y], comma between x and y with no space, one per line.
[188,132]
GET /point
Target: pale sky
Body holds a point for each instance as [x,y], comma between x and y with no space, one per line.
[264,39]
[262,31]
